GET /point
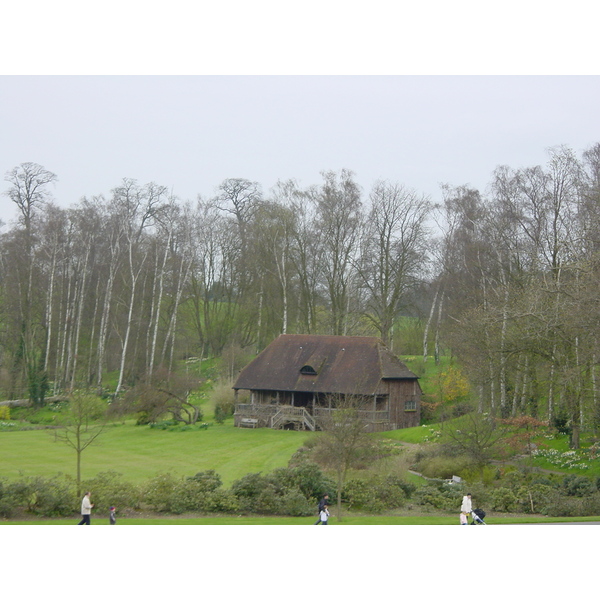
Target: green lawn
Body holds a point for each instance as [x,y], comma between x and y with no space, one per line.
[139,453]
[347,520]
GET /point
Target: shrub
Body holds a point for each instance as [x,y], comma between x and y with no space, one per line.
[4,413]
[108,489]
[306,477]
[575,485]
[441,495]
[503,500]
[53,497]
[535,497]
[158,492]
[209,480]
[223,398]
[254,493]
[443,467]
[220,501]
[375,494]
[295,504]
[187,496]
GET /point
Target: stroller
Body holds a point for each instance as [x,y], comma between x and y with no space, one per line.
[478,516]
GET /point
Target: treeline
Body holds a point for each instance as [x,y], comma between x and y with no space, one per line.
[140,279]
[506,280]
[518,285]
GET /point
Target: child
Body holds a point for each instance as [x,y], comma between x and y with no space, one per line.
[324,515]
[112,517]
[463,518]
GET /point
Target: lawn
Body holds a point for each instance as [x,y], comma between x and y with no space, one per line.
[139,452]
[347,520]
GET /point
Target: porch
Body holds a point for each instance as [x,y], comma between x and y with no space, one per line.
[284,416]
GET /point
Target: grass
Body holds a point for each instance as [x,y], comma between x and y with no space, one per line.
[347,520]
[139,453]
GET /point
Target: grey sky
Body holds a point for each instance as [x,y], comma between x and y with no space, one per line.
[191,132]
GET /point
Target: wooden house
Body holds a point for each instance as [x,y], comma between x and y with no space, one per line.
[297,380]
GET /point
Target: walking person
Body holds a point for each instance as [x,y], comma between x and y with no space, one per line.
[86,509]
[323,503]
[323,516]
[112,517]
[466,506]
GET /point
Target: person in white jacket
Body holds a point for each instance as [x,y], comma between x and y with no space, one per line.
[467,505]
[86,509]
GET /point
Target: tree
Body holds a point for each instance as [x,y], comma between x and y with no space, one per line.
[82,424]
[393,252]
[526,428]
[162,393]
[477,438]
[339,217]
[345,442]
[29,190]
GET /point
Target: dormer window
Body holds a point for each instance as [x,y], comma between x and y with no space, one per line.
[307,370]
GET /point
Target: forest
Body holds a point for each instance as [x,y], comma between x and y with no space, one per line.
[504,280]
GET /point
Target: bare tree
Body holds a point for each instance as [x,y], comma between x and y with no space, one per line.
[29,191]
[345,442]
[82,424]
[137,208]
[339,217]
[393,252]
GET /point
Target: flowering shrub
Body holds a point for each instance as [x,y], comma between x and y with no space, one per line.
[566,460]
[433,434]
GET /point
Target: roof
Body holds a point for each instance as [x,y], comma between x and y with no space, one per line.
[343,364]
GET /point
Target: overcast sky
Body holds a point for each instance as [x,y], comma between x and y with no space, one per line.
[191,132]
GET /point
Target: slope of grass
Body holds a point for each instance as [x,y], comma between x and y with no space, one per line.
[140,453]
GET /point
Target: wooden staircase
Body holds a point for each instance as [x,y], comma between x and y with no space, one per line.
[297,416]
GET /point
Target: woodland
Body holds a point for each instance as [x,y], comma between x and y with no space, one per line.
[108,292]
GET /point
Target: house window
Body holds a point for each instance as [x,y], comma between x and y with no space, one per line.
[410,405]
[307,370]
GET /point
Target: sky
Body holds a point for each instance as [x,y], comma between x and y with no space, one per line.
[189,94]
[189,133]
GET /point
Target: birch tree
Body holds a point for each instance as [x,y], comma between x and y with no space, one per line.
[393,252]
[339,218]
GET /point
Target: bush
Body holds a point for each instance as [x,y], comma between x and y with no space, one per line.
[224,400]
[47,497]
[255,493]
[220,501]
[441,495]
[306,477]
[108,489]
[377,494]
[158,492]
[295,504]
[4,413]
[503,500]
[534,498]
[442,467]
[575,485]
[209,480]
[286,491]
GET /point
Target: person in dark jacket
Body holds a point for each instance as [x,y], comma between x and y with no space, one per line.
[323,503]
